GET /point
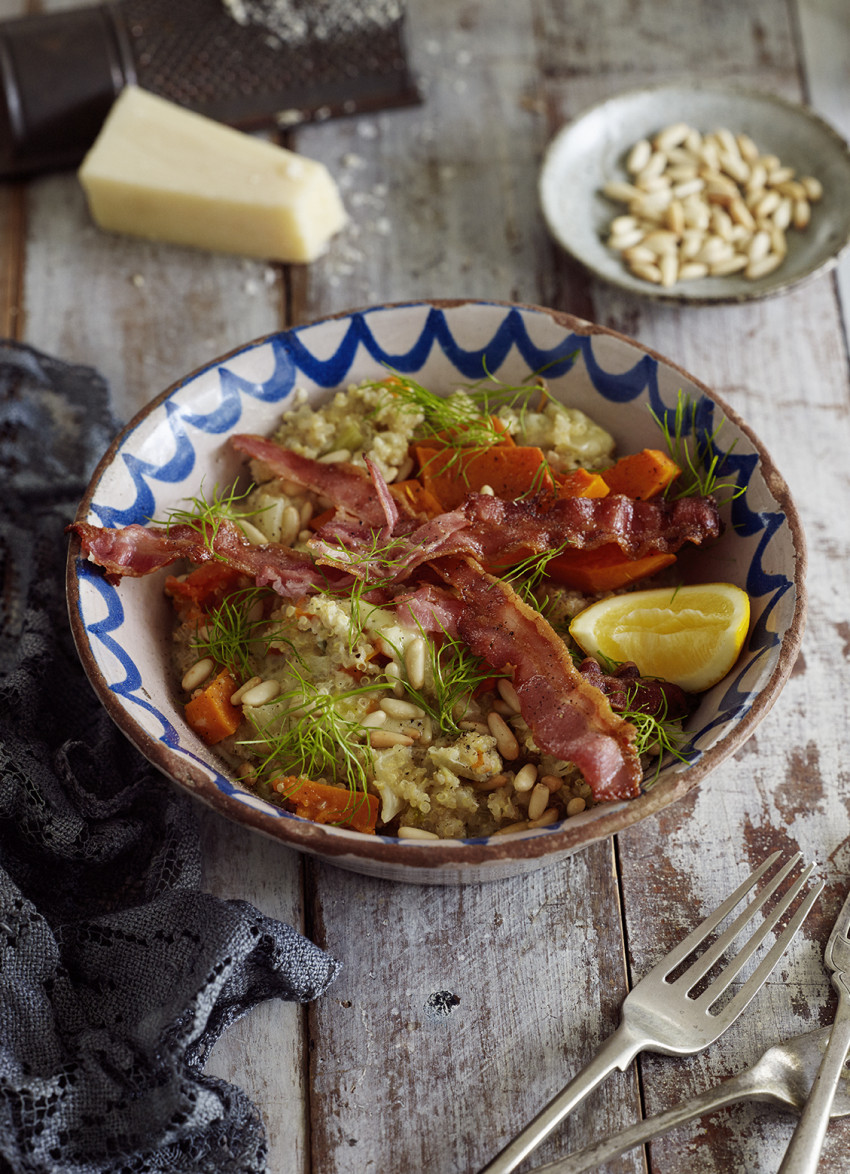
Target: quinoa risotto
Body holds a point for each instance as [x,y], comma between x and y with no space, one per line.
[374,633]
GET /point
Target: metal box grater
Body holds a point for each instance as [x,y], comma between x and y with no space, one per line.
[60,72]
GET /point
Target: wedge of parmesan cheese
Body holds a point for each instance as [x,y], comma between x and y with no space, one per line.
[165,173]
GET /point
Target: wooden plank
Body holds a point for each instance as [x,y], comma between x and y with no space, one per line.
[783,366]
[145,314]
[443,203]
[12,202]
[443,199]
[265,1051]
[825,49]
[460,1012]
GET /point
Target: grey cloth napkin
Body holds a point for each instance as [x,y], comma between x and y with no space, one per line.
[117,973]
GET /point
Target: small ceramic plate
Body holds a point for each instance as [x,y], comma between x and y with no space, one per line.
[591,151]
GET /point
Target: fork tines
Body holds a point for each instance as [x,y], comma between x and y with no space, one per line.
[716,950]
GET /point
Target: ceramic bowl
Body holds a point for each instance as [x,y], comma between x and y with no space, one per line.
[123,632]
[590,151]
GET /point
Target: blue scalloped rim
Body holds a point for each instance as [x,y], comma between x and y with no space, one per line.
[294,361]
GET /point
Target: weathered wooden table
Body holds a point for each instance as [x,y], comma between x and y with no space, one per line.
[442,196]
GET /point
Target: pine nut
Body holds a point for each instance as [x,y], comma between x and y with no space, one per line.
[261,694]
[506,742]
[653,183]
[508,694]
[474,727]
[576,805]
[491,784]
[761,268]
[710,154]
[410,833]
[690,187]
[675,218]
[382,739]
[638,156]
[669,268]
[672,136]
[778,242]
[705,205]
[796,190]
[714,249]
[780,175]
[639,255]
[653,167]
[305,514]
[621,192]
[488,490]
[526,777]
[717,185]
[661,241]
[721,222]
[393,674]
[521,826]
[621,224]
[255,537]
[539,801]
[553,782]
[400,709]
[767,205]
[682,172]
[197,674]
[749,152]
[741,214]
[735,166]
[726,141]
[620,241]
[728,265]
[692,271]
[414,662]
[647,272]
[290,524]
[374,719]
[692,241]
[652,204]
[758,178]
[812,187]
[251,683]
[549,816]
[783,214]
[802,213]
[759,245]
[331,458]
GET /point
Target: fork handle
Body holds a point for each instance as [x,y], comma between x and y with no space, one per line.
[736,1088]
[803,1154]
[617,1052]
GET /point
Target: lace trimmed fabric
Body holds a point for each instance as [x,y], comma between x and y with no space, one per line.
[117,973]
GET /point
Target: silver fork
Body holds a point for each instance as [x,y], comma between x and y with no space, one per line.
[661,1015]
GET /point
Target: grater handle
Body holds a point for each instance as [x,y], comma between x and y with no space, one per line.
[59,75]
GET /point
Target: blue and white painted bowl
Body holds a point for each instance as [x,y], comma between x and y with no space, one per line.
[123,633]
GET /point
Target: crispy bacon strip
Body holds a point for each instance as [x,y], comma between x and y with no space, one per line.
[568,717]
[587,523]
[133,551]
[491,530]
[346,486]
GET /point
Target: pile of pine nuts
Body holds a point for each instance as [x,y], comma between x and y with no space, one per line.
[706,205]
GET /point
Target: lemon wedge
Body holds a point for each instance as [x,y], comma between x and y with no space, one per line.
[688,635]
